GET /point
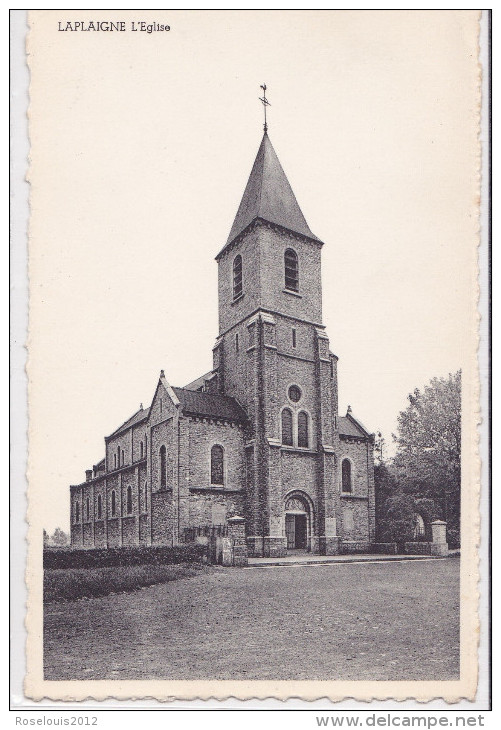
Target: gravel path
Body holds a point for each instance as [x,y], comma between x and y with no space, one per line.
[387,621]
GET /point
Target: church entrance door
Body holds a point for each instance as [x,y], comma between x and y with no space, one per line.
[296,531]
[297,524]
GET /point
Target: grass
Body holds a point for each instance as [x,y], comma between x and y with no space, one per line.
[70,584]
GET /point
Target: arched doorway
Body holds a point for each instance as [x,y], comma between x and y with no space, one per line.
[298,522]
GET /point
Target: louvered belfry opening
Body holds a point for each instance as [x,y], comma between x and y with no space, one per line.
[291,270]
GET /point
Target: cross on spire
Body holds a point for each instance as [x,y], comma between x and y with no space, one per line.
[265,103]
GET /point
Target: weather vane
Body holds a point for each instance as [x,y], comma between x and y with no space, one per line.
[266,103]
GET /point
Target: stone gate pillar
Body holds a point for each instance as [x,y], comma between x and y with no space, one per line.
[439,545]
[235,546]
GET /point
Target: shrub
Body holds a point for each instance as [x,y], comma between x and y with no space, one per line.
[453,538]
[124,556]
[398,521]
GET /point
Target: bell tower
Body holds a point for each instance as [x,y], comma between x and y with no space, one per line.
[272,355]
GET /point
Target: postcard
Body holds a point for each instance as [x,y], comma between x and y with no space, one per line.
[253,333]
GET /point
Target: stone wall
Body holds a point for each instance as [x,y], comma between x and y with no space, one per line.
[356,516]
[130,534]
[210,508]
[307,304]
[203,435]
[231,312]
[163,434]
[354,519]
[161,518]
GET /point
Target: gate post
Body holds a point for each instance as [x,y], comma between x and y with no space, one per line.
[235,546]
[439,545]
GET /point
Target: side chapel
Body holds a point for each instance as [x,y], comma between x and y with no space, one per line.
[259,435]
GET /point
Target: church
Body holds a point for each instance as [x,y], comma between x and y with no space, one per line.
[259,436]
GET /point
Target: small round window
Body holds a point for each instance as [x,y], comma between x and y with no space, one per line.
[294,393]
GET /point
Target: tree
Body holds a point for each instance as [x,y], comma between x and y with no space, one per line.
[59,537]
[45,538]
[428,459]
[385,486]
[398,520]
[379,447]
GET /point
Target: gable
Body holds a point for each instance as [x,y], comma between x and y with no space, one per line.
[164,403]
[349,427]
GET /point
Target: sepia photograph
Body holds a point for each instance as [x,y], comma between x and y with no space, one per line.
[252,356]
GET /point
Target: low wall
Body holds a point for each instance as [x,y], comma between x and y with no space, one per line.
[348,547]
[417,548]
[354,547]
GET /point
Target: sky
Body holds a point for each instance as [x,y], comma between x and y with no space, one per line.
[141,148]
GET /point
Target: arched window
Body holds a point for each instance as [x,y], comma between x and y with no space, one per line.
[346,476]
[141,450]
[118,455]
[291,270]
[113,503]
[237,277]
[77,511]
[115,460]
[145,445]
[146,496]
[217,465]
[123,457]
[87,508]
[163,466]
[287,427]
[99,506]
[129,501]
[302,429]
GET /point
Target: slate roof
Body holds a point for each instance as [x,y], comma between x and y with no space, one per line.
[140,415]
[209,404]
[199,382]
[268,195]
[348,428]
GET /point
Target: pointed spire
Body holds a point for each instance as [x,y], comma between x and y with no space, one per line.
[268,195]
